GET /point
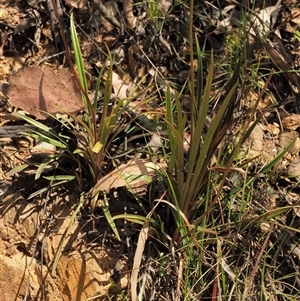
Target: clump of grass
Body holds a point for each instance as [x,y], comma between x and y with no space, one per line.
[84,143]
[188,173]
[86,140]
[226,239]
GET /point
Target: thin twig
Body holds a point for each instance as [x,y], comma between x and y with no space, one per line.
[258,258]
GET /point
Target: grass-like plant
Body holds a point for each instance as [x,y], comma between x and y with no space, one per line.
[86,140]
[99,135]
[198,200]
[188,172]
[91,137]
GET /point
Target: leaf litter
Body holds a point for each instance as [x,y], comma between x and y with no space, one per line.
[134,175]
[37,90]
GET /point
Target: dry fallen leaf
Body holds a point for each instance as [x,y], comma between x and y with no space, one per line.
[295,15]
[129,15]
[134,175]
[264,21]
[137,69]
[120,88]
[43,148]
[35,89]
[76,3]
[164,6]
[273,129]
[187,141]
[264,103]
[283,61]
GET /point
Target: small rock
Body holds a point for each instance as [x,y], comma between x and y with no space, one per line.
[286,138]
[257,138]
[291,122]
[293,169]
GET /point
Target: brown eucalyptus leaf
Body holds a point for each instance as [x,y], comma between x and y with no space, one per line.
[295,15]
[43,148]
[134,52]
[134,175]
[129,15]
[264,21]
[119,87]
[282,61]
[35,89]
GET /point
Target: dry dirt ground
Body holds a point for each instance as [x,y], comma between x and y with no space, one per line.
[93,265]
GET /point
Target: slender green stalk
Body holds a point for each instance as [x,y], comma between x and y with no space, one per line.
[192,77]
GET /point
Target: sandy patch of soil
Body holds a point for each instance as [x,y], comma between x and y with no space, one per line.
[29,240]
